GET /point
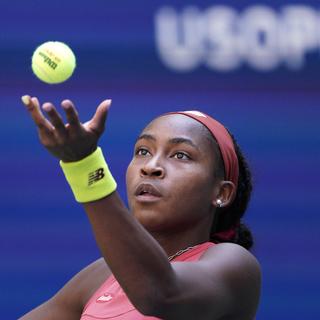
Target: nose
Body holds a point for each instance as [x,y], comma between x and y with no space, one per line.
[152,168]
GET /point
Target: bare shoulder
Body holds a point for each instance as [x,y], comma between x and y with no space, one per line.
[239,271]
[223,284]
[232,254]
[83,285]
[69,302]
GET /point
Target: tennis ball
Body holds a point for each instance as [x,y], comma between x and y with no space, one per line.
[53,62]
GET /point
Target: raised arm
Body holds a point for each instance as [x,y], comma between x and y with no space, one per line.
[127,256]
[220,284]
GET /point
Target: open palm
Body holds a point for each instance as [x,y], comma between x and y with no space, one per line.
[72,141]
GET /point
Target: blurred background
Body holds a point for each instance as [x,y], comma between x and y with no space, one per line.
[253,65]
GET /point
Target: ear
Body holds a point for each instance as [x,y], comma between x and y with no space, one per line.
[224,195]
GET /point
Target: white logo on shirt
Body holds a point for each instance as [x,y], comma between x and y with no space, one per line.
[104,298]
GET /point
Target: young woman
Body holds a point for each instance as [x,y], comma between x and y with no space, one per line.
[181,252]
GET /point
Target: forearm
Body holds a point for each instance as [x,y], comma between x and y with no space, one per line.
[126,246]
[136,259]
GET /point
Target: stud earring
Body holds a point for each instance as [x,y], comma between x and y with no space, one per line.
[219,203]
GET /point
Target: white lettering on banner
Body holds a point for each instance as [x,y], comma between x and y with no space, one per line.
[223,39]
[178,38]
[220,47]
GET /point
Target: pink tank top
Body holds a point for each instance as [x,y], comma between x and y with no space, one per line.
[110,301]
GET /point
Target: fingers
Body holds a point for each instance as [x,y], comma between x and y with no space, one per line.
[33,107]
[56,126]
[97,123]
[55,119]
[71,113]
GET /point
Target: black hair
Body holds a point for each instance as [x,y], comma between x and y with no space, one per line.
[230,217]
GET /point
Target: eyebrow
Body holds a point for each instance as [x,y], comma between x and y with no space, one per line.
[177,140]
[146,137]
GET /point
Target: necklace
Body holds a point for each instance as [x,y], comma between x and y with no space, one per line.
[180,252]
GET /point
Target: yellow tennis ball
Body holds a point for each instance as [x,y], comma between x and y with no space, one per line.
[53,62]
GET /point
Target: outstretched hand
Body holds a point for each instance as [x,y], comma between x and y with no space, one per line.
[72,141]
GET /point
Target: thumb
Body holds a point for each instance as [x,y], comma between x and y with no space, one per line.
[97,123]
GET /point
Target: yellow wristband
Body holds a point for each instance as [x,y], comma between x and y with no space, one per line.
[89,178]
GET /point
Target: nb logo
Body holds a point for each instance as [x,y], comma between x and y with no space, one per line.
[95,176]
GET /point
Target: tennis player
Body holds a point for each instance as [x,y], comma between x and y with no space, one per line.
[181,250]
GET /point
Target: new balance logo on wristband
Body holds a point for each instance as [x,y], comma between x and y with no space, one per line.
[95,176]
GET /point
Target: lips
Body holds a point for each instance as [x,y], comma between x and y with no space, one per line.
[147,189]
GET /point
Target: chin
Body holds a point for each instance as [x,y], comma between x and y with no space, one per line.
[151,219]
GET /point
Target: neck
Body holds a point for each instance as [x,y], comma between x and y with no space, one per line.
[175,240]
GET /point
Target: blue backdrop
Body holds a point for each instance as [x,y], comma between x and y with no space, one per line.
[254,67]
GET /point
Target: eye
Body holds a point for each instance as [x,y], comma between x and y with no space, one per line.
[181,156]
[142,152]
